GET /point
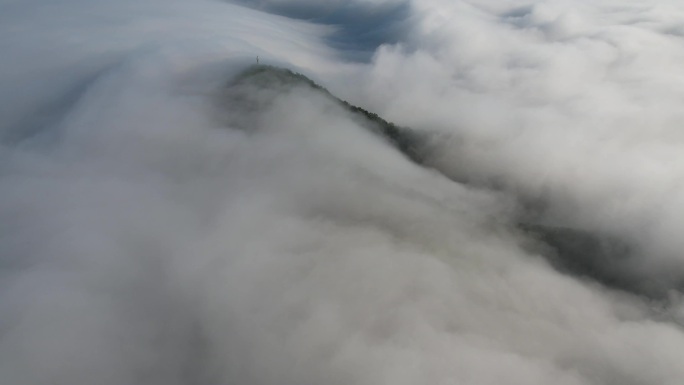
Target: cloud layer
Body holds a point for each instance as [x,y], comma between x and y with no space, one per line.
[572,104]
[164,224]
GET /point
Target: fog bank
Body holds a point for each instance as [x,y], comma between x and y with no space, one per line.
[167,218]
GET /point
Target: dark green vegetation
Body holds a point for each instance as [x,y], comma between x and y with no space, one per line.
[405,140]
[602,258]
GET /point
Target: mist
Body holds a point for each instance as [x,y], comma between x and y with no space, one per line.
[169,217]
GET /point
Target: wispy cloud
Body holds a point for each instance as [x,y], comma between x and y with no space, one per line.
[161,223]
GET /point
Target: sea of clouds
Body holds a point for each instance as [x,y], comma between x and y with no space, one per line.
[154,232]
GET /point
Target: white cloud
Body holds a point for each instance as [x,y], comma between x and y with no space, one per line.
[152,231]
[574,103]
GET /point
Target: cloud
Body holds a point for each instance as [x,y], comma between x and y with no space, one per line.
[75,41]
[573,105]
[163,223]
